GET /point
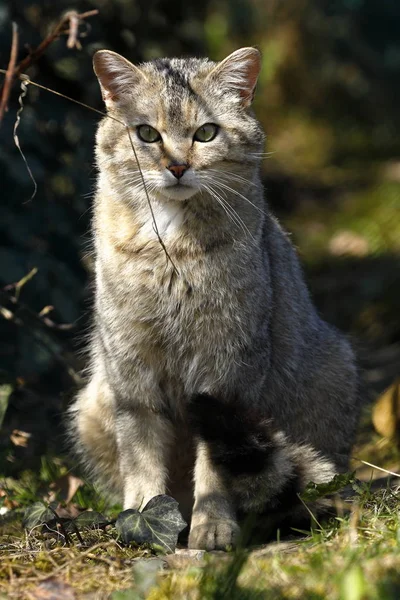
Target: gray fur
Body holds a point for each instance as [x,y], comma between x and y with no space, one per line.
[237,319]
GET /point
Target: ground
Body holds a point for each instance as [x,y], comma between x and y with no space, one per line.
[355,556]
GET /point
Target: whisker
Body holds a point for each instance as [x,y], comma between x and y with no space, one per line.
[228,188]
[234,215]
[222,204]
[232,175]
[261,155]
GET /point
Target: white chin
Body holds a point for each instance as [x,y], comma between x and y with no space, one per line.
[178,192]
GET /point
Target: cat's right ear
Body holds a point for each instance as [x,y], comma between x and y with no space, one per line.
[117,76]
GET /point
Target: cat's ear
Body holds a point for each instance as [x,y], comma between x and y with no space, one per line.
[239,71]
[117,76]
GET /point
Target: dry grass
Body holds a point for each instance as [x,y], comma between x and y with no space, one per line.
[355,556]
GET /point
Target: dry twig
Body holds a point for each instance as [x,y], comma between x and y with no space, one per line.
[68,24]
[13,310]
[10,72]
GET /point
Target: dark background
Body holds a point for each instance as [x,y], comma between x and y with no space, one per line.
[328,97]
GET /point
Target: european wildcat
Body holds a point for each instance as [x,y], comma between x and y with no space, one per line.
[231,328]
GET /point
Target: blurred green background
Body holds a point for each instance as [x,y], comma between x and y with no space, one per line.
[328,97]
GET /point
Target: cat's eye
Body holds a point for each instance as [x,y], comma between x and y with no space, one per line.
[148,134]
[206,133]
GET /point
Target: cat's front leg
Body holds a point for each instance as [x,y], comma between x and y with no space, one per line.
[143,439]
[213,525]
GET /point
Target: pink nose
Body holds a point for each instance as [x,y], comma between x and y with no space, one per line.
[178,170]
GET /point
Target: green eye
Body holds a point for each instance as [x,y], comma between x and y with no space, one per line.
[206,133]
[148,134]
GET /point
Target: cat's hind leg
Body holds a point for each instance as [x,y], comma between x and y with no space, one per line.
[91,424]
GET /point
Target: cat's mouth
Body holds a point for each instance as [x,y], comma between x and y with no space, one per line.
[178,191]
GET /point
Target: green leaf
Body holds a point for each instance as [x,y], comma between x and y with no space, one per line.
[158,524]
[35,515]
[314,491]
[90,519]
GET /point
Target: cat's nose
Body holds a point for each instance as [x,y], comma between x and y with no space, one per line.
[178,169]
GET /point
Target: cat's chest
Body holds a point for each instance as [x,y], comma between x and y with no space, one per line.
[167,223]
[196,301]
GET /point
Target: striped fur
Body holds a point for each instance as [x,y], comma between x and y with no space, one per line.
[235,319]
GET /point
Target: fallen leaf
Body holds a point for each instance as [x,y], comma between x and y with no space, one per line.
[20,438]
[386,413]
[65,488]
[53,589]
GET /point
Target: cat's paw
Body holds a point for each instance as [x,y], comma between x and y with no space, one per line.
[214,535]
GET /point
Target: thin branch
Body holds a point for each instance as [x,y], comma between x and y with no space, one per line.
[13,310]
[68,24]
[35,54]
[10,72]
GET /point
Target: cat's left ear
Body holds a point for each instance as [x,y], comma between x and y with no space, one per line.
[239,71]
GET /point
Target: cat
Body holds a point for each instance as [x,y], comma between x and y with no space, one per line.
[212,377]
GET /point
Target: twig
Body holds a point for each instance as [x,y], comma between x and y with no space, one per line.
[72,41]
[23,316]
[72,19]
[368,464]
[17,286]
[61,523]
[10,72]
[54,35]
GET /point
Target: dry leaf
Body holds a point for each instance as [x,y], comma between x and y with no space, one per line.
[65,488]
[20,438]
[53,589]
[386,414]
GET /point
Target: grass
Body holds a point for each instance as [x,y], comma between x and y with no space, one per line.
[355,556]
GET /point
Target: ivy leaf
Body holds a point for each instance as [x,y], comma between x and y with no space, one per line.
[37,514]
[314,491]
[158,524]
[90,519]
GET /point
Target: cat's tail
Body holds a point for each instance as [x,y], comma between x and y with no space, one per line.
[264,470]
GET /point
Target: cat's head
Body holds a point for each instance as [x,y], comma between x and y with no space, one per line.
[190,121]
